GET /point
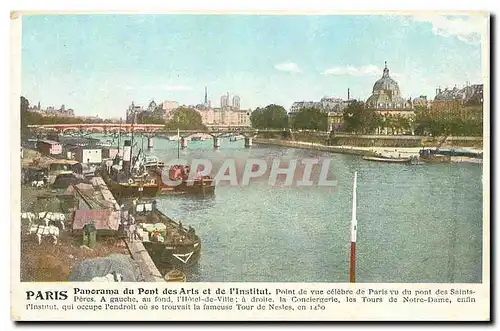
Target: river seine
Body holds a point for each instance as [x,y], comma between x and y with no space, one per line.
[420,223]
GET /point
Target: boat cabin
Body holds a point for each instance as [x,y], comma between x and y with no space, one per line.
[90,155]
[49,147]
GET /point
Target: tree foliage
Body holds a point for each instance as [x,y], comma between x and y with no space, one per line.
[464,121]
[358,119]
[271,117]
[185,118]
[30,118]
[151,118]
[353,117]
[310,119]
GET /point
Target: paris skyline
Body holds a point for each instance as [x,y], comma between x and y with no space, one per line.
[98,64]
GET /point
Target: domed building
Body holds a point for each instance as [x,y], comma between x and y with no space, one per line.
[386,94]
[137,114]
[397,113]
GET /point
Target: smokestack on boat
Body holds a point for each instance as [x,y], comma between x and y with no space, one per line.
[127,154]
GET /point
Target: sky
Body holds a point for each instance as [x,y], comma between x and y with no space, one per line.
[98,64]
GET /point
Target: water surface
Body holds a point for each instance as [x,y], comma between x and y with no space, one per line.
[415,223]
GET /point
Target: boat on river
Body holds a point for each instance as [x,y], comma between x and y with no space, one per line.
[122,184]
[146,176]
[126,177]
[168,243]
[441,155]
[390,159]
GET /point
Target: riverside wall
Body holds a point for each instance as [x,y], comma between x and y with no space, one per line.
[315,146]
[406,141]
[372,140]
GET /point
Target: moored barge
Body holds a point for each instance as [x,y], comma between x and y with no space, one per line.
[450,155]
[146,176]
[168,243]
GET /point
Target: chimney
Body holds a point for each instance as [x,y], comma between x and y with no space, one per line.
[348,94]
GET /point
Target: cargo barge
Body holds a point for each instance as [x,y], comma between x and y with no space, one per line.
[168,243]
[145,176]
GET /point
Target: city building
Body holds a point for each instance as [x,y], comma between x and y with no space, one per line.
[470,94]
[457,101]
[386,98]
[132,111]
[137,114]
[236,102]
[207,115]
[298,105]
[225,115]
[168,107]
[51,111]
[326,104]
[224,101]
[333,106]
[421,101]
[94,119]
[335,121]
[387,102]
[386,94]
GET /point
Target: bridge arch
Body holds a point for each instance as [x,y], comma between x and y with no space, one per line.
[65,130]
[96,129]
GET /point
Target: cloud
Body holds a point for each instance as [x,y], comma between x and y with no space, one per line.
[369,70]
[466,28]
[288,66]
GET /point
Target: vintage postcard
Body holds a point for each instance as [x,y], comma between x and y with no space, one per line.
[250,166]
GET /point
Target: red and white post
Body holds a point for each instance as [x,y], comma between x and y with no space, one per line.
[354,228]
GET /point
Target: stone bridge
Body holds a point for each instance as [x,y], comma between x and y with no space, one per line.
[151,130]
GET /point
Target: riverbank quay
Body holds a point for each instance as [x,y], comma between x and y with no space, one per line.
[149,271]
[394,141]
[404,141]
[351,150]
[49,261]
[316,146]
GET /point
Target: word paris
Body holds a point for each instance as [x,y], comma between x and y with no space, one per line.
[304,172]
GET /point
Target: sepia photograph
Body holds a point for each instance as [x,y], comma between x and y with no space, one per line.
[253,147]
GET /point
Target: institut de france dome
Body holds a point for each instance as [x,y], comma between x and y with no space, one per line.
[386,94]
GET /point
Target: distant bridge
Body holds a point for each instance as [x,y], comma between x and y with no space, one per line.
[127,127]
[151,130]
[97,127]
